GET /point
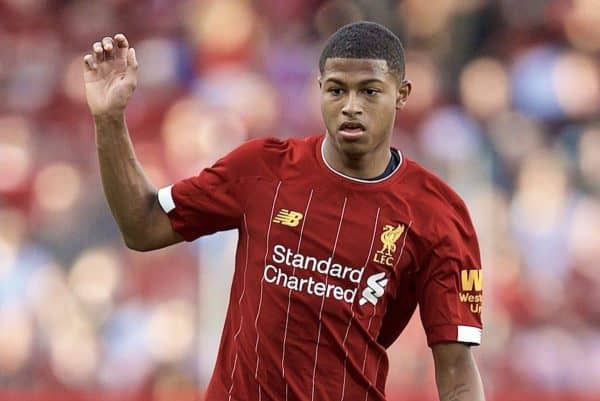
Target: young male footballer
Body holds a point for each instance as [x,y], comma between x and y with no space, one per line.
[340,235]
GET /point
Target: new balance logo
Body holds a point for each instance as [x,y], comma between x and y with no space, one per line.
[375,289]
[288,218]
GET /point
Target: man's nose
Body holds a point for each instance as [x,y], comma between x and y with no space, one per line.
[352,106]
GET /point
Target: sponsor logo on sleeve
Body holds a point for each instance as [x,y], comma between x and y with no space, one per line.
[471,281]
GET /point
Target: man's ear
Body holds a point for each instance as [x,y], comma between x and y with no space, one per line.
[319,81]
[403,93]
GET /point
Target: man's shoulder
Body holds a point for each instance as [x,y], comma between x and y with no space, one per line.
[431,198]
[273,145]
[268,155]
[429,187]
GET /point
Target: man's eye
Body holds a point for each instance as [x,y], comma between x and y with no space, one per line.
[336,91]
[371,91]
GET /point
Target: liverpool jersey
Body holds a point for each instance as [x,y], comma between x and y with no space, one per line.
[329,269]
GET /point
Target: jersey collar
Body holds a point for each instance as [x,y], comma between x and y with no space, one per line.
[354,179]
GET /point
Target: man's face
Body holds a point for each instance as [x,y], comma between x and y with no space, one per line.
[359,99]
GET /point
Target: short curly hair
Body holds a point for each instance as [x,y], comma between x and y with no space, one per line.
[369,40]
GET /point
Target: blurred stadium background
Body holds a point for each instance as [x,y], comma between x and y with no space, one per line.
[506,108]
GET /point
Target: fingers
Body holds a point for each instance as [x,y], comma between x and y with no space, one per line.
[98,52]
[108,45]
[122,46]
[121,40]
[89,63]
[110,49]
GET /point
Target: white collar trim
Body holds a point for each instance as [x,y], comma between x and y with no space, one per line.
[358,179]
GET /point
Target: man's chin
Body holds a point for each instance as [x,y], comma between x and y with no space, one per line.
[355,148]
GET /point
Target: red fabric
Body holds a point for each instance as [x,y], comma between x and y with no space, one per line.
[189,395]
[316,300]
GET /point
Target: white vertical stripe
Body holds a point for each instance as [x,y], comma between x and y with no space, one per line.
[237,333]
[232,372]
[381,355]
[375,306]
[287,316]
[323,303]
[352,305]
[384,312]
[376,371]
[403,243]
[367,343]
[165,199]
[262,282]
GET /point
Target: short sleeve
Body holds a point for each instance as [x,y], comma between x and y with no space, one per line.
[211,201]
[449,286]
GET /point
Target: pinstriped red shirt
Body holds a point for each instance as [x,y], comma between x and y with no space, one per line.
[329,269]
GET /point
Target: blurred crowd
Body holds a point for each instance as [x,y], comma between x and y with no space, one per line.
[505,107]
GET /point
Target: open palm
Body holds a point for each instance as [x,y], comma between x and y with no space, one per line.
[110,75]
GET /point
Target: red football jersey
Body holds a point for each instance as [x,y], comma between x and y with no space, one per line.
[329,269]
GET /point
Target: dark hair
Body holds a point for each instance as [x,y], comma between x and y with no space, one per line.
[365,40]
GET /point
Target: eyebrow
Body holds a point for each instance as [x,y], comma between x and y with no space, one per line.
[366,81]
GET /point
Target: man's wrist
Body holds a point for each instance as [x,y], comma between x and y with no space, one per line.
[109,119]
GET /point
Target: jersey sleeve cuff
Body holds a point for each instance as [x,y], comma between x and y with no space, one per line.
[165,199]
[454,333]
[178,222]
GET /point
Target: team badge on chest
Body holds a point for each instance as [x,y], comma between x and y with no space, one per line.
[389,237]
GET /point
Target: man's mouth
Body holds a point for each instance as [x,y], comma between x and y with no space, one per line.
[352,129]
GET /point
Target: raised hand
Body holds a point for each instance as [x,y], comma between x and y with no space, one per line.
[110,75]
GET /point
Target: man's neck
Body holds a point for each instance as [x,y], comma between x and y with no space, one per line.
[362,166]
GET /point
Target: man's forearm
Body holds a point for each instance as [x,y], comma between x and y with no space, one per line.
[457,376]
[129,193]
[462,392]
